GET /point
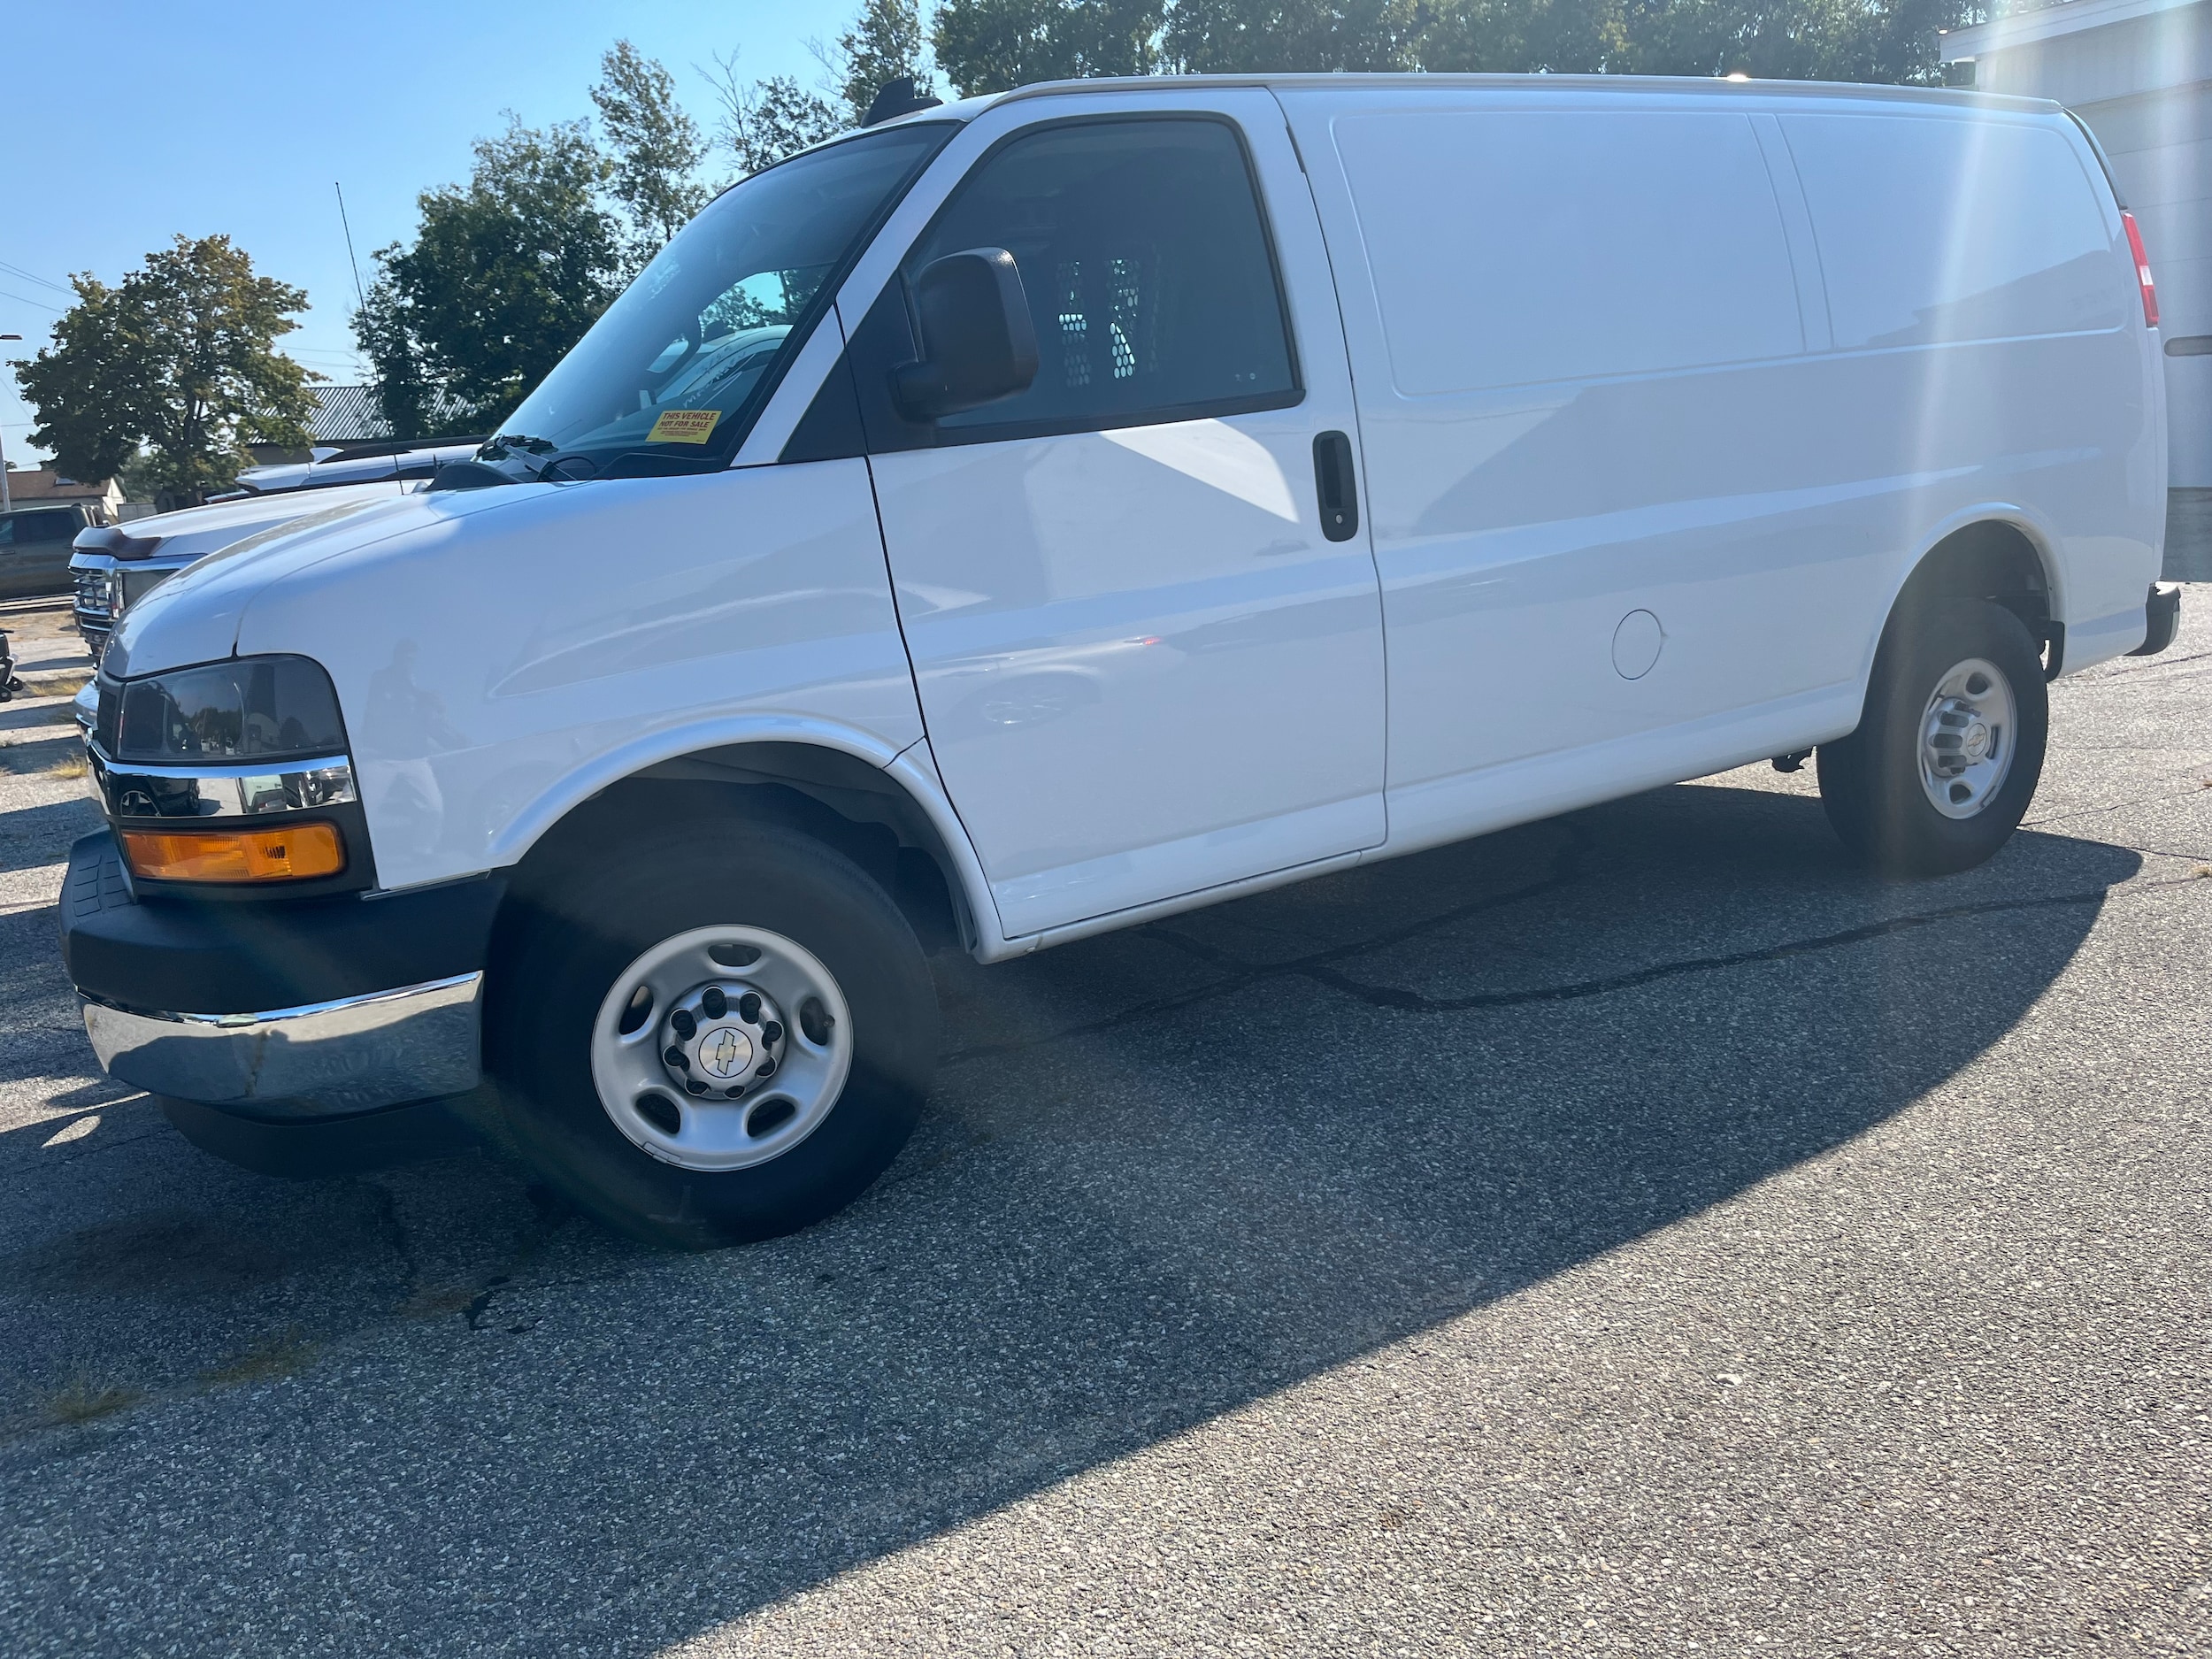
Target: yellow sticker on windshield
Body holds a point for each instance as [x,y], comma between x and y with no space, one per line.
[684,425]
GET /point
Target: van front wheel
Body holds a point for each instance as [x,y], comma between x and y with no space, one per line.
[1950,748]
[723,1033]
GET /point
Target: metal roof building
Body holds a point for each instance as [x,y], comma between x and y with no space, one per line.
[347,414]
[350,414]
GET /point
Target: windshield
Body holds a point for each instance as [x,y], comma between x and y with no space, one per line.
[670,377]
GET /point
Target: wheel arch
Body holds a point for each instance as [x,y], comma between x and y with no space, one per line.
[883,809]
[1999,553]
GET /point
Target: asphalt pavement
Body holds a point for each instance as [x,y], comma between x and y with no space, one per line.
[1640,1232]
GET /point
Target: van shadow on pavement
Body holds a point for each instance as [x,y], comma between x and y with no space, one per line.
[1164,1173]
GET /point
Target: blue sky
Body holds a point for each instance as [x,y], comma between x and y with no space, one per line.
[129,123]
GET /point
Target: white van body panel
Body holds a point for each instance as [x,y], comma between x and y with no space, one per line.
[1619,396]
[2000,332]
[496,668]
[1144,669]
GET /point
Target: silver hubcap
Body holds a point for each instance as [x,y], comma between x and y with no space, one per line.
[1966,739]
[722,1048]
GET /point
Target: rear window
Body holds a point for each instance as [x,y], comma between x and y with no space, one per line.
[1934,229]
[1513,247]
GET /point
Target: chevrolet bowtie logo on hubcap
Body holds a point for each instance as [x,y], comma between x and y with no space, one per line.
[725,1052]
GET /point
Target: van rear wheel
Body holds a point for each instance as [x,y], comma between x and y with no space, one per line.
[1950,748]
[720,1034]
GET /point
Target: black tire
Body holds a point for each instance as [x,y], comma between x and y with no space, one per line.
[1870,782]
[559,953]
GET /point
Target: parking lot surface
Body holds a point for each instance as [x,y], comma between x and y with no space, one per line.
[1638,1233]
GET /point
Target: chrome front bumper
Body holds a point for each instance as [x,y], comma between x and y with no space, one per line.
[325,1060]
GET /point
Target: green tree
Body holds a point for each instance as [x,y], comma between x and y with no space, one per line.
[884,43]
[996,45]
[766,120]
[73,385]
[992,45]
[657,148]
[1524,36]
[179,357]
[769,120]
[504,275]
[1255,36]
[414,403]
[1889,41]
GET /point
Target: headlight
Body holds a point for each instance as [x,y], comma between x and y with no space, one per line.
[250,710]
[254,750]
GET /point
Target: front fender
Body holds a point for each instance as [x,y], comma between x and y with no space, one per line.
[498,667]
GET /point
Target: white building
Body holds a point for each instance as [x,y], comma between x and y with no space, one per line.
[2140,73]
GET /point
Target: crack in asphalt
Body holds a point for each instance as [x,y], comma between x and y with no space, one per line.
[1415,1001]
[1566,868]
[2151,666]
[2161,852]
[2117,806]
[386,1208]
[1317,967]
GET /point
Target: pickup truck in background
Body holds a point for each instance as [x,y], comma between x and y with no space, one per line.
[112,568]
[35,548]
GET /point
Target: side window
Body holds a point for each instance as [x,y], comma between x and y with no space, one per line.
[1148,271]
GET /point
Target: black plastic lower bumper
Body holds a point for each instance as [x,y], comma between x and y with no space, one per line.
[240,956]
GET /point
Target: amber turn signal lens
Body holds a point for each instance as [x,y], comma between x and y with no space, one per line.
[297,853]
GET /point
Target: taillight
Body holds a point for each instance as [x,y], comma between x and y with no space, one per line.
[2142,270]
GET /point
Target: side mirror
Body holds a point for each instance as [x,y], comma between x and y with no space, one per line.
[977,341]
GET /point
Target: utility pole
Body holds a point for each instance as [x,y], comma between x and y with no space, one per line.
[7,501]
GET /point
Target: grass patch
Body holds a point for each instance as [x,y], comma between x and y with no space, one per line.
[81,1400]
[68,683]
[44,757]
[266,1361]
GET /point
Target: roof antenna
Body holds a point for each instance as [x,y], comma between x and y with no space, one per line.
[359,298]
[896,98]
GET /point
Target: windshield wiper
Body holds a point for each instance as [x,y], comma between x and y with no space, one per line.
[499,448]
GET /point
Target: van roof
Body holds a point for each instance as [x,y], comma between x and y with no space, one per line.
[1953,97]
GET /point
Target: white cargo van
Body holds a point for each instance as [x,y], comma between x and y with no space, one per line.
[1056,511]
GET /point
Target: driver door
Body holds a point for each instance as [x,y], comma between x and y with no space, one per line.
[1146,667]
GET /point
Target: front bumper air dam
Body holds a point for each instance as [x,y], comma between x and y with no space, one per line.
[323,1060]
[351,1002]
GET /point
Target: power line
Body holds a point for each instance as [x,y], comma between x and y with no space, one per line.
[33,276]
[20,300]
